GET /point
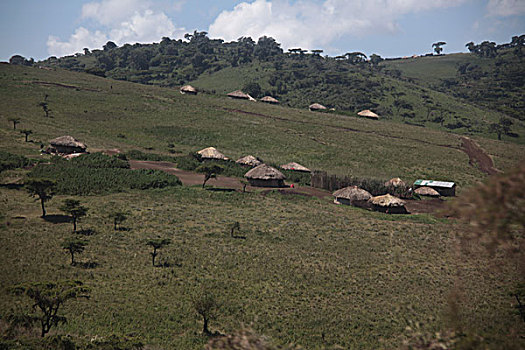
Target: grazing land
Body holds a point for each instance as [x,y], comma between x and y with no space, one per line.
[300,270]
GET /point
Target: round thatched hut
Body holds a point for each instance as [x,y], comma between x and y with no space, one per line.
[352,195]
[388,204]
[212,153]
[427,191]
[238,94]
[316,107]
[188,89]
[265,176]
[368,114]
[250,161]
[270,99]
[395,182]
[67,145]
[295,167]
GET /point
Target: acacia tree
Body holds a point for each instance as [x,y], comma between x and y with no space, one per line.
[45,108]
[73,208]
[74,246]
[15,121]
[118,218]
[48,297]
[157,244]
[26,132]
[437,47]
[41,188]
[207,306]
[209,171]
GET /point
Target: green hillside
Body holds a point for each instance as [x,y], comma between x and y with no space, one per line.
[307,272]
[463,93]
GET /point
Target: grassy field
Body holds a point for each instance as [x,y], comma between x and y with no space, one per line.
[307,272]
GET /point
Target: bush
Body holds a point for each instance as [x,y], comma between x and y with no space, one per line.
[100,174]
[12,161]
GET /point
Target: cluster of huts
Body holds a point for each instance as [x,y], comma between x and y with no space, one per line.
[261,175]
[238,94]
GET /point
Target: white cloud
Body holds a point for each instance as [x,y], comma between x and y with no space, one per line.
[121,21]
[311,24]
[505,8]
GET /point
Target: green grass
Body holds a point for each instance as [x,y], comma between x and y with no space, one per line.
[306,268]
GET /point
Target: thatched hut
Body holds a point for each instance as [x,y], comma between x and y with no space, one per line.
[238,94]
[265,176]
[368,114]
[67,145]
[250,161]
[295,167]
[388,204]
[270,99]
[395,182]
[444,188]
[352,195]
[427,191]
[316,107]
[212,153]
[188,89]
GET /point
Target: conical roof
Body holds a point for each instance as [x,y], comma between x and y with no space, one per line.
[249,160]
[67,141]
[368,114]
[316,106]
[352,193]
[211,153]
[269,99]
[387,201]
[427,191]
[295,166]
[395,182]
[241,95]
[264,172]
[188,89]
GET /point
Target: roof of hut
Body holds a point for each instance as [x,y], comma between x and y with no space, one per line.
[368,113]
[269,99]
[212,153]
[188,88]
[295,166]
[264,172]
[240,94]
[67,141]
[396,182]
[427,191]
[316,106]
[387,200]
[353,193]
[249,160]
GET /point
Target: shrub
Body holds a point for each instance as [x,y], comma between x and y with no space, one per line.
[12,161]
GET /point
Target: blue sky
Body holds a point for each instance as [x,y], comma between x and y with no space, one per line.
[39,29]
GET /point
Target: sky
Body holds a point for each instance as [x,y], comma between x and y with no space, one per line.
[390,28]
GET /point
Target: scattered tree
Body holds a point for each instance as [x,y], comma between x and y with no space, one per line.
[235,226]
[48,297]
[45,108]
[26,132]
[74,246]
[15,121]
[207,306]
[41,188]
[502,127]
[375,60]
[109,46]
[118,218]
[157,244]
[437,47]
[209,171]
[73,208]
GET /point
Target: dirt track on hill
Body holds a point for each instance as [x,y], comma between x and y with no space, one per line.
[478,156]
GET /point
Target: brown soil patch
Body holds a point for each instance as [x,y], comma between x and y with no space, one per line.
[425,206]
[478,156]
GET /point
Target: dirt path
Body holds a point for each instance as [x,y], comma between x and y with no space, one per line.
[189,178]
[478,156]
